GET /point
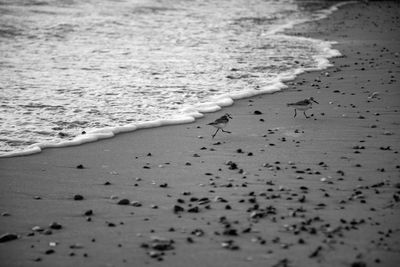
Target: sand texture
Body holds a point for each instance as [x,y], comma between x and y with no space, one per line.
[277,191]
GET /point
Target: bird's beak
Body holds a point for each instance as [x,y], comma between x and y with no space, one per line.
[315,101]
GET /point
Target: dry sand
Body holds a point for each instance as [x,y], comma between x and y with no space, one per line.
[278,191]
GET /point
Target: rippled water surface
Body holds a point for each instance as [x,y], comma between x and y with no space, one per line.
[69,66]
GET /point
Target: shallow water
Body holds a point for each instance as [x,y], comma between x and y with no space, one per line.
[78,65]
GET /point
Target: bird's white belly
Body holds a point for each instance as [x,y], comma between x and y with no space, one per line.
[219,125]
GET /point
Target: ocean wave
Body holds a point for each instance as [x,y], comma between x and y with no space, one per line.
[254,57]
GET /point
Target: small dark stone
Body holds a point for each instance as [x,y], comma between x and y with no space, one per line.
[178,209]
[80,166]
[49,251]
[164,185]
[124,201]
[107,183]
[162,245]
[47,232]
[55,226]
[194,209]
[8,237]
[88,213]
[358,264]
[257,112]
[230,231]
[110,224]
[78,197]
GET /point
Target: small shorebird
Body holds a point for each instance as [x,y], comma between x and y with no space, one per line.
[221,123]
[303,105]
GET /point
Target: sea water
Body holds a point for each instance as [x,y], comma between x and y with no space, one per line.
[76,71]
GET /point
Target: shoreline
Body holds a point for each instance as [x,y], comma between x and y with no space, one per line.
[194,112]
[278,191]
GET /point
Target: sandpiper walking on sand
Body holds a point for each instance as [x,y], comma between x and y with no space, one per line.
[303,105]
[221,123]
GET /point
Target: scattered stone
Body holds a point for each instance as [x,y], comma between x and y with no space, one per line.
[110,224]
[49,251]
[136,203]
[124,201]
[194,210]
[220,199]
[257,112]
[178,209]
[80,166]
[161,244]
[55,226]
[47,232]
[78,197]
[8,237]
[88,213]
[358,264]
[232,165]
[76,246]
[230,231]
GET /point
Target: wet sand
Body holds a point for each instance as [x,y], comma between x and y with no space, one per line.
[277,191]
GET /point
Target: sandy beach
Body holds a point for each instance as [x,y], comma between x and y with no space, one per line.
[277,191]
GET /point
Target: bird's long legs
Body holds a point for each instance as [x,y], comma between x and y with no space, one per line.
[215,133]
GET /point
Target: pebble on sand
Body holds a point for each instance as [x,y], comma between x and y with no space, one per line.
[8,237]
[124,201]
[55,226]
[78,197]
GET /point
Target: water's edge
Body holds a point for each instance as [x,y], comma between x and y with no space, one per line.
[197,111]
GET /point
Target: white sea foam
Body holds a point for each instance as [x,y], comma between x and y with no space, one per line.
[267,66]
